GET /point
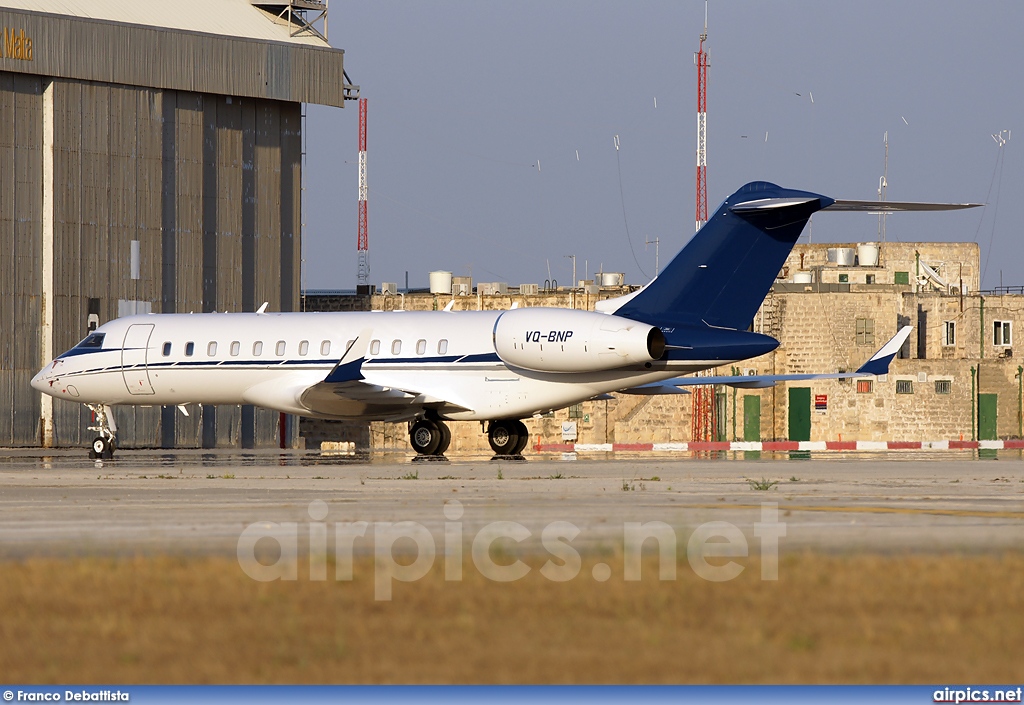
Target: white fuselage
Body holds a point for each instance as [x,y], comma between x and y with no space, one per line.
[442,360]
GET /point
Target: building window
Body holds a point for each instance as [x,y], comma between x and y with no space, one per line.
[236,347]
[325,348]
[865,331]
[280,348]
[396,347]
[864,386]
[1002,333]
[943,386]
[304,348]
[576,411]
[949,333]
[190,348]
[211,349]
[869,279]
[844,278]
[374,347]
[421,347]
[901,277]
[257,348]
[442,346]
[904,386]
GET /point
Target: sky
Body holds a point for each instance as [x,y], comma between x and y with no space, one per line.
[492,130]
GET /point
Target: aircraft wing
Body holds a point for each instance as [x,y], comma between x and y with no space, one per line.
[345,393]
[878,364]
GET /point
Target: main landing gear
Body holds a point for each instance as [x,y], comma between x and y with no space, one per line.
[508,438]
[430,438]
[104,445]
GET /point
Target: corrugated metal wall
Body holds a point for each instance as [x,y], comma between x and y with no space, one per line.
[133,55]
[21,134]
[198,180]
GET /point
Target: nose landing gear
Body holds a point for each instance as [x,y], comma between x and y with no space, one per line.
[104,445]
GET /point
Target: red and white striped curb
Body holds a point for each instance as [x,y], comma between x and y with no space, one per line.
[775,446]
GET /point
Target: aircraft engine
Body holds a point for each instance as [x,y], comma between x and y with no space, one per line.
[557,340]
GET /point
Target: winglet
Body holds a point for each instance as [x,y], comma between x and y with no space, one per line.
[879,362]
[349,367]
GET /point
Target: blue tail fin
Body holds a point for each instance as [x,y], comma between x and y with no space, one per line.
[724,272]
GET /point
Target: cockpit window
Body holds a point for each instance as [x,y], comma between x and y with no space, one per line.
[93,341]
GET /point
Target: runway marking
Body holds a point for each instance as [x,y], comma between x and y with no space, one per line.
[976,513]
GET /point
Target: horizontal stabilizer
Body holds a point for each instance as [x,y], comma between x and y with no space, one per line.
[877,365]
[654,389]
[878,207]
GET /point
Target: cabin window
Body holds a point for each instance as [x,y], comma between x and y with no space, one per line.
[190,348]
[442,346]
[325,348]
[167,349]
[257,348]
[304,347]
[280,348]
[421,347]
[211,349]
[396,347]
[349,344]
[236,347]
[375,347]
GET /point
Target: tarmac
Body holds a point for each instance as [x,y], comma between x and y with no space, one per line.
[55,503]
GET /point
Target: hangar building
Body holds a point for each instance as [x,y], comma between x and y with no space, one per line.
[150,160]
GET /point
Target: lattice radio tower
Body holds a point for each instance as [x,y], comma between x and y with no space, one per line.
[363,243]
[704,424]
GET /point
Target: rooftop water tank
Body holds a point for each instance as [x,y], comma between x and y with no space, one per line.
[845,256]
[867,254]
[440,282]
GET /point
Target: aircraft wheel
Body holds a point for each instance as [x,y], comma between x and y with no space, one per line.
[101,448]
[425,437]
[503,437]
[524,438]
[446,438]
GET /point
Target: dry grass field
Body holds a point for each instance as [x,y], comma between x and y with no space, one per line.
[829,619]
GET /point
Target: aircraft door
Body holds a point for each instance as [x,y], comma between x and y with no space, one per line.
[135,359]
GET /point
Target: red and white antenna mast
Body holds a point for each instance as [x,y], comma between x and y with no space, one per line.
[701,60]
[704,421]
[363,244]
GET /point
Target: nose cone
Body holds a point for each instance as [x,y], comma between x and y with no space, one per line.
[41,382]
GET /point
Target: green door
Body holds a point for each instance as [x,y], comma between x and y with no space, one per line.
[751,417]
[799,413]
[987,417]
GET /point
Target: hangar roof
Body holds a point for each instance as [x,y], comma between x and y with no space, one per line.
[228,47]
[231,18]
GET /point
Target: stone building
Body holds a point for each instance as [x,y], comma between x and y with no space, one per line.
[831,307]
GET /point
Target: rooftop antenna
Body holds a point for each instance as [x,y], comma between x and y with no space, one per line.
[882,185]
[654,242]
